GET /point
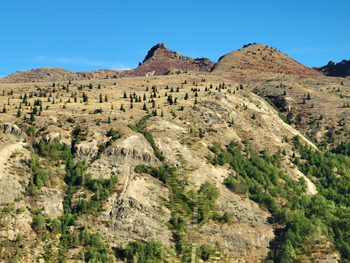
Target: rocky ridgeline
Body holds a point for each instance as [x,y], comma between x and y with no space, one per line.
[341,69]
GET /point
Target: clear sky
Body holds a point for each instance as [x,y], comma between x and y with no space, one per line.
[90,35]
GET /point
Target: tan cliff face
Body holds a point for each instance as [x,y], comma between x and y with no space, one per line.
[218,108]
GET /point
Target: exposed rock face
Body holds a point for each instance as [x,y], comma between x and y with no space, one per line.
[250,236]
[152,51]
[138,212]
[12,153]
[341,69]
[55,132]
[283,103]
[133,150]
[288,104]
[163,61]
[86,150]
[18,226]
[9,128]
[52,200]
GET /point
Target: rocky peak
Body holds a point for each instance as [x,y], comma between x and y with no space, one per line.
[152,51]
[341,69]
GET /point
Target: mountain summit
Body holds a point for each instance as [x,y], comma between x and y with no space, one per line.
[160,61]
[262,58]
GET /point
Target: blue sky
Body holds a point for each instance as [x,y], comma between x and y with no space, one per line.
[90,35]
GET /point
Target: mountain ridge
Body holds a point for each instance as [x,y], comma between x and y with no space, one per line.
[332,69]
[160,60]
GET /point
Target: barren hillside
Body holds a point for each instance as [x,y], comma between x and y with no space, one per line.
[259,58]
[173,162]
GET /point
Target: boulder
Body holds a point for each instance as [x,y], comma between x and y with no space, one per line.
[13,129]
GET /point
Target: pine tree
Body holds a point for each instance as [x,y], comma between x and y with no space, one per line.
[144,106]
[186,96]
[170,99]
[109,119]
[125,96]
[4,109]
[308,96]
[101,98]
[144,97]
[162,114]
